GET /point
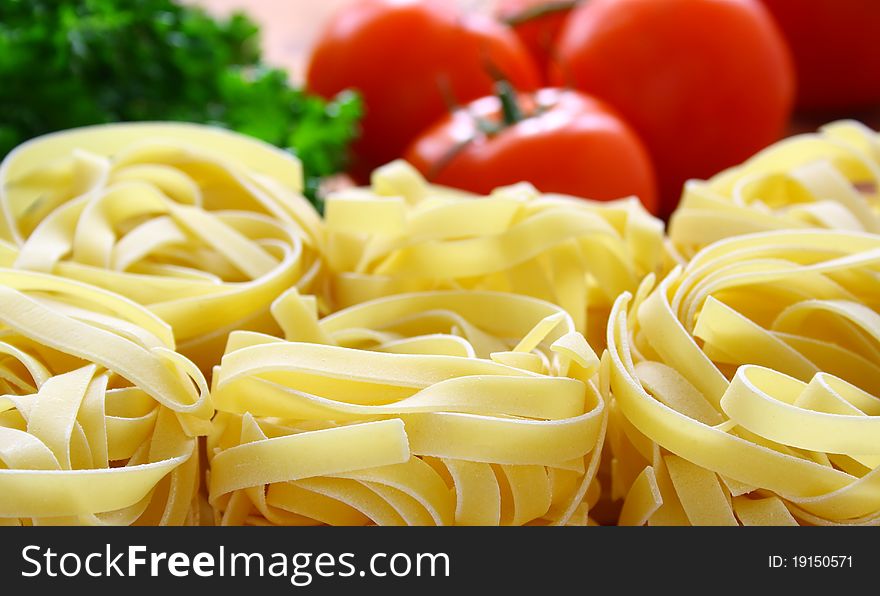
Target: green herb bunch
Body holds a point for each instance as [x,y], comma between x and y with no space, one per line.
[67,63]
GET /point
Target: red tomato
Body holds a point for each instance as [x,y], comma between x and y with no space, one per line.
[409,59]
[836,47]
[705,83]
[537,23]
[562,141]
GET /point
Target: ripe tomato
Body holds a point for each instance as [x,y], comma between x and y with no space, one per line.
[537,23]
[705,83]
[560,141]
[836,47]
[409,59]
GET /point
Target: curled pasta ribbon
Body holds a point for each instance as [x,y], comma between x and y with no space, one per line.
[746,385]
[828,180]
[204,227]
[404,235]
[432,408]
[98,414]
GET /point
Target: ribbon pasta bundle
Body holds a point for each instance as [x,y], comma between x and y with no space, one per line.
[405,235]
[830,180]
[746,385]
[98,414]
[444,407]
[203,226]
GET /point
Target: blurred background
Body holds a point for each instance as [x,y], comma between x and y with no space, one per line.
[648,93]
[290,27]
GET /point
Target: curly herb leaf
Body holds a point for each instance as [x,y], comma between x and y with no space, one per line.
[67,63]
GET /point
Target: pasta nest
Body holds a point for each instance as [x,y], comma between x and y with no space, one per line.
[404,235]
[98,414]
[445,407]
[745,387]
[826,180]
[203,226]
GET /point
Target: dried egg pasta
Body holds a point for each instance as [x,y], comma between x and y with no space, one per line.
[405,235]
[829,180]
[203,226]
[98,415]
[746,385]
[445,407]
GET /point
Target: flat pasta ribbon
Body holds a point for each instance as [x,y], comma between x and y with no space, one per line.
[404,235]
[829,180]
[99,416]
[429,408]
[745,387]
[203,226]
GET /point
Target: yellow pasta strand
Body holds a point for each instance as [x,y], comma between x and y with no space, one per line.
[728,381]
[98,415]
[423,356]
[829,180]
[406,414]
[204,227]
[404,235]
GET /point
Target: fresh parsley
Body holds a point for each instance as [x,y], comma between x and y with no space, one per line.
[67,63]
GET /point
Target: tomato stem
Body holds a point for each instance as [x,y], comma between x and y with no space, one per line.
[444,86]
[539,11]
[510,109]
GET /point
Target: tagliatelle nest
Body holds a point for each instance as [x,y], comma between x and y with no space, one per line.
[98,414]
[458,407]
[746,385]
[404,235]
[455,381]
[830,180]
[204,227]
